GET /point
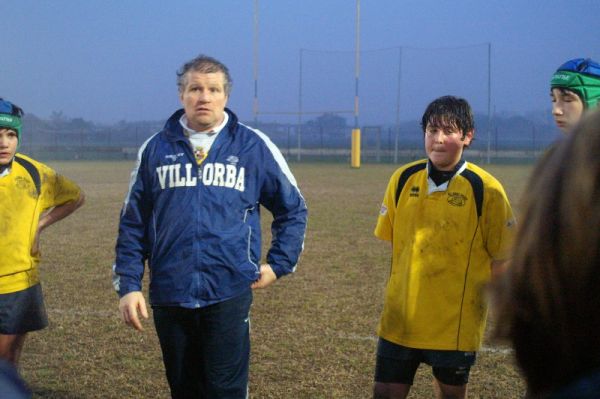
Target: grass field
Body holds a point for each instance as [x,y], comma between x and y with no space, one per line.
[313,333]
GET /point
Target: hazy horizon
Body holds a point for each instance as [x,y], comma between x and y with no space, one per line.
[110,61]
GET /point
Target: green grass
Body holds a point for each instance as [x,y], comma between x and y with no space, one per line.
[313,333]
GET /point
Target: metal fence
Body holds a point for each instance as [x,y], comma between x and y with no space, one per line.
[379,144]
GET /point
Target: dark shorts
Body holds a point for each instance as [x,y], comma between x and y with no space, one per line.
[22,311]
[398,364]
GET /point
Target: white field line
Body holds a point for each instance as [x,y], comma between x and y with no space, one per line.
[81,312]
[487,349]
[341,336]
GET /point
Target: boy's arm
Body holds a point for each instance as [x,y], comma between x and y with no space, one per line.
[499,268]
[500,229]
[60,212]
[385,221]
[62,196]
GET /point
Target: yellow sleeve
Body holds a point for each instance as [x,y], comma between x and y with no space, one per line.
[385,221]
[57,189]
[499,224]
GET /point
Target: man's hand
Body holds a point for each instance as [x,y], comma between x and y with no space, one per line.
[267,276]
[129,306]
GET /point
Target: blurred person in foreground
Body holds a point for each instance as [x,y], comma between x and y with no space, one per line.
[574,89]
[32,197]
[193,214]
[547,303]
[12,385]
[451,226]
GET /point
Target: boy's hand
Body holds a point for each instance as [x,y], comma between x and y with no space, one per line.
[35,247]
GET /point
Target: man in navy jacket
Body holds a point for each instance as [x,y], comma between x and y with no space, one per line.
[192,214]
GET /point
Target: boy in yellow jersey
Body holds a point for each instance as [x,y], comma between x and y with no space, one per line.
[32,197]
[451,227]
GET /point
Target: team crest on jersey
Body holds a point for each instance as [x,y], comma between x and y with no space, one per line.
[24,184]
[200,154]
[414,191]
[457,199]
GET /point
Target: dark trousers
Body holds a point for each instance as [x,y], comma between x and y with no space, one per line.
[206,351]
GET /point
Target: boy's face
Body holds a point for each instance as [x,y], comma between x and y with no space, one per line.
[8,145]
[567,109]
[444,145]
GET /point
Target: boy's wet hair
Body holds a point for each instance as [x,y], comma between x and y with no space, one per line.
[449,112]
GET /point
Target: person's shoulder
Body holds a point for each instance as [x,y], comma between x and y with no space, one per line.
[255,140]
[417,163]
[493,189]
[152,143]
[411,167]
[487,178]
[26,158]
[249,133]
[11,383]
[29,163]
[586,387]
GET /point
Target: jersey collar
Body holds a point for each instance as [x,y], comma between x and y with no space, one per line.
[5,169]
[432,187]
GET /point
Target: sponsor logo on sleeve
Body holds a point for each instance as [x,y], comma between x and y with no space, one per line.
[383,210]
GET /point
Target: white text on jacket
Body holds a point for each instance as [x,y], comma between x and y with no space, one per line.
[213,174]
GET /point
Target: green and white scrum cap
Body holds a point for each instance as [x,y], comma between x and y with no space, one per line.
[581,76]
[10,117]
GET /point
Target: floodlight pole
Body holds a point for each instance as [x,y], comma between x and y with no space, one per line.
[355,150]
[398,105]
[255,103]
[489,103]
[299,129]
[356,64]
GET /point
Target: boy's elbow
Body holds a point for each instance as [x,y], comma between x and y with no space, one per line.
[81,200]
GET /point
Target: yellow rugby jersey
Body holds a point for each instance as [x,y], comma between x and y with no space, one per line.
[29,189]
[443,241]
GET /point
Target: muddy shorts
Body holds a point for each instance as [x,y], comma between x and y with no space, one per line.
[22,311]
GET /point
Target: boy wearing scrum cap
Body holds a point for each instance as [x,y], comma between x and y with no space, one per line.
[32,197]
[574,88]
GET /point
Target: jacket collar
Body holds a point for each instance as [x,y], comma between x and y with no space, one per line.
[174,131]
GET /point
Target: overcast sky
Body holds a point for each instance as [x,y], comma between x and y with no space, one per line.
[108,60]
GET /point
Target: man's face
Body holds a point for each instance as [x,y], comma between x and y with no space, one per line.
[8,145]
[204,100]
[444,145]
[567,109]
